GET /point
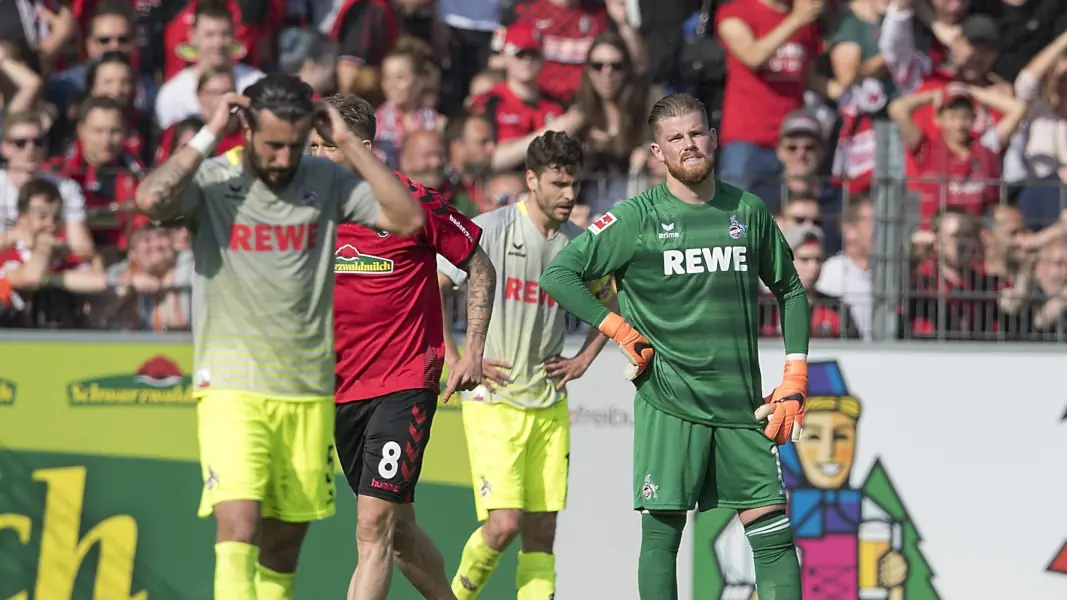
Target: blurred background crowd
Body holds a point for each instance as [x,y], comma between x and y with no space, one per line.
[915,151]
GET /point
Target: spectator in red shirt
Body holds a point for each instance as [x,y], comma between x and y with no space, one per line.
[951,293]
[38,259]
[107,174]
[519,108]
[213,34]
[568,28]
[771,47]
[954,167]
[256,23]
[212,86]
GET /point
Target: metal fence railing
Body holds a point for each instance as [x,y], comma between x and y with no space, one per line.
[888,266]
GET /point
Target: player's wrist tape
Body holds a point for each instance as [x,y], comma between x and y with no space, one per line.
[204,141]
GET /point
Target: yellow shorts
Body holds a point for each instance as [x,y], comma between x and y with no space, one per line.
[519,458]
[279,452]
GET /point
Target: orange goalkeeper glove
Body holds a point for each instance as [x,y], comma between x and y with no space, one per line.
[784,408]
[635,347]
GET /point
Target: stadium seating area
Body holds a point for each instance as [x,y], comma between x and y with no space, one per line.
[915,151]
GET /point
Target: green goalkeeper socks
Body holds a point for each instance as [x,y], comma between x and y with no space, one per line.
[657,569]
[777,567]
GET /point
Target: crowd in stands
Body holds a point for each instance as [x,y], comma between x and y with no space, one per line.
[97,92]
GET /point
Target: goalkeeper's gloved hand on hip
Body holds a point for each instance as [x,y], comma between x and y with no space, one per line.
[635,347]
[784,408]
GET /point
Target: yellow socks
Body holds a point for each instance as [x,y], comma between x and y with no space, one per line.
[536,576]
[235,571]
[272,585]
[475,567]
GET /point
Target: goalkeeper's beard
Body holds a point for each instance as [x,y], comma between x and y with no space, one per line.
[692,173]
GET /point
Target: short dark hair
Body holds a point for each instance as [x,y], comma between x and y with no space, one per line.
[98,103]
[34,188]
[106,58]
[674,105]
[286,96]
[212,9]
[357,112]
[113,9]
[554,150]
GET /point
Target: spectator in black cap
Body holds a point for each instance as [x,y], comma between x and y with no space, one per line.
[801,149]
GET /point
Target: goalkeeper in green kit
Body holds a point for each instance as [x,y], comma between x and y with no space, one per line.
[687,257]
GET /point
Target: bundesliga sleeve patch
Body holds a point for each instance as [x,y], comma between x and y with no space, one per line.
[602,223]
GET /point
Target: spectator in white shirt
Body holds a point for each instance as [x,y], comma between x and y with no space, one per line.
[213,38]
[847,275]
[23,149]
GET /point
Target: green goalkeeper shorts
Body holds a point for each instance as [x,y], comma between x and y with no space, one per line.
[681,465]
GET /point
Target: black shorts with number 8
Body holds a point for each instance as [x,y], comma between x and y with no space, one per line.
[381,442]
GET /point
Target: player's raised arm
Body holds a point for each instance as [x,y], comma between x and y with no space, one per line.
[164,192]
[398,211]
[605,247]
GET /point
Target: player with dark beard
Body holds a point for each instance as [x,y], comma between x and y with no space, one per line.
[263,224]
[688,256]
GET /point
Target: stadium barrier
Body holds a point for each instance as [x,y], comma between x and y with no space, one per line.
[899,306]
[926,481]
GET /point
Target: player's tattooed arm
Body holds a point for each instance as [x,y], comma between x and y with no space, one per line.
[160,194]
[481,289]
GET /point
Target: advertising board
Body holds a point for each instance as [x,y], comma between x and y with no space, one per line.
[925,474]
[99,482]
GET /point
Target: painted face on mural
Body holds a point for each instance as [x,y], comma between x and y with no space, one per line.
[827,449]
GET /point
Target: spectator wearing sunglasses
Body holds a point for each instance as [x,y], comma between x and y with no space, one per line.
[519,107]
[23,149]
[110,30]
[801,149]
[799,210]
[614,101]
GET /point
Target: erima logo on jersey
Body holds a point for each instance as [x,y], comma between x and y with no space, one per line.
[668,231]
[704,260]
[348,260]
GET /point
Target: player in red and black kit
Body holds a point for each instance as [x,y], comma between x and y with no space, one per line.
[390,354]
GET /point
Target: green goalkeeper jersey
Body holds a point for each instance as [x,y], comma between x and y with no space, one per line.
[688,280]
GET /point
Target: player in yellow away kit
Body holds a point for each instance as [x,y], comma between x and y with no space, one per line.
[263,227]
[518,426]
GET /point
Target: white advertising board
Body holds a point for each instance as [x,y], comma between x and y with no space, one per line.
[950,482]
